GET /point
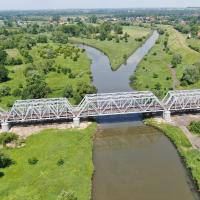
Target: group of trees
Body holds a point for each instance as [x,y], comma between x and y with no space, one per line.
[3,70]
[79,91]
[189,28]
[191,75]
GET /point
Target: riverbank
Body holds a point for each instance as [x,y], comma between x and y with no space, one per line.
[190,156]
[155,73]
[118,53]
[64,163]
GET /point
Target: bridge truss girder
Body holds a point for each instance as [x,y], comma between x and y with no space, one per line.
[40,110]
[181,100]
[118,103]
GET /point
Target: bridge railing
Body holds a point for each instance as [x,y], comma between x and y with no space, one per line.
[40,109]
[119,103]
[100,105]
[182,100]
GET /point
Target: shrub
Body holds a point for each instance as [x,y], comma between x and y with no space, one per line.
[33,161]
[176,59]
[195,127]
[190,75]
[155,75]
[5,161]
[5,91]
[16,92]
[6,138]
[66,196]
[68,91]
[60,162]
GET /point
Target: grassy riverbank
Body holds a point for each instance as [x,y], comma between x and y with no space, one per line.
[46,179]
[116,51]
[184,147]
[155,69]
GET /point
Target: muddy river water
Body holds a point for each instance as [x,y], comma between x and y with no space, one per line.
[133,161]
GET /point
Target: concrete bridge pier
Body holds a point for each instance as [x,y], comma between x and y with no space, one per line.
[76,122]
[167,116]
[5,126]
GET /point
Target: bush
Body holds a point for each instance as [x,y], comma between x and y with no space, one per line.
[190,76]
[68,91]
[176,59]
[5,91]
[5,161]
[16,92]
[33,161]
[6,138]
[66,196]
[195,127]
[3,74]
[155,75]
[60,162]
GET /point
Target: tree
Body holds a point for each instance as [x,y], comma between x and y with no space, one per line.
[3,74]
[68,91]
[176,59]
[67,196]
[3,57]
[118,29]
[60,37]
[83,89]
[93,19]
[42,39]
[56,18]
[190,75]
[36,87]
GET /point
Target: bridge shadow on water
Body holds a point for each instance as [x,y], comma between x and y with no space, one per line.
[114,120]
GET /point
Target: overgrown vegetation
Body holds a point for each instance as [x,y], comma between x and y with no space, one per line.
[118,48]
[194,127]
[37,174]
[184,147]
[175,65]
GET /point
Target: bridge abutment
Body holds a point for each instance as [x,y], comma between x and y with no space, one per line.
[5,126]
[167,116]
[76,122]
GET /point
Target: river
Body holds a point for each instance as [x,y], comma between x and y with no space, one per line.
[133,161]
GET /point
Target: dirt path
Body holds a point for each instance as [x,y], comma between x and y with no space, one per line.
[176,82]
[182,121]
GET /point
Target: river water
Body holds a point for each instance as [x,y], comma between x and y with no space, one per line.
[132,161]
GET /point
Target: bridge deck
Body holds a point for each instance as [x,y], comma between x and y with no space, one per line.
[101,104]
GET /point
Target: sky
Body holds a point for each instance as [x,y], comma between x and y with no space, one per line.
[68,4]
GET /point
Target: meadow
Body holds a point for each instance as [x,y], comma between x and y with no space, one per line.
[116,51]
[157,64]
[49,176]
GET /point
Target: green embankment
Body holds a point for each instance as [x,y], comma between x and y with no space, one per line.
[57,81]
[45,180]
[184,147]
[158,62]
[116,51]
[153,69]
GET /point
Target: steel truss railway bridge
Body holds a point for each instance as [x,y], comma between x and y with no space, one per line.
[94,105]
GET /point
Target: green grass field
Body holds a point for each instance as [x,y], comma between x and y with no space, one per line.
[45,180]
[178,44]
[154,63]
[56,81]
[184,147]
[194,44]
[116,51]
[159,64]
